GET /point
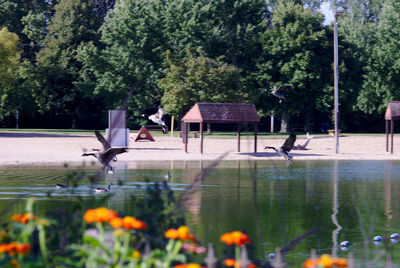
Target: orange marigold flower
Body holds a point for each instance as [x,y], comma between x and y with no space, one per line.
[340,262]
[128,222]
[13,248]
[172,234]
[229,262]
[117,222]
[193,265]
[189,265]
[236,237]
[23,248]
[227,238]
[90,216]
[105,214]
[184,233]
[251,265]
[23,218]
[325,260]
[16,217]
[100,215]
[240,238]
[310,263]
[3,248]
[139,225]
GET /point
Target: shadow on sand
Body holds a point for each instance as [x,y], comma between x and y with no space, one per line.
[40,135]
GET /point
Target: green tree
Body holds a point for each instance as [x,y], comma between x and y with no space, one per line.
[296,53]
[129,58]
[381,79]
[219,28]
[198,79]
[9,65]
[15,15]
[58,71]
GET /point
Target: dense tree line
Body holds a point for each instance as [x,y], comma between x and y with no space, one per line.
[65,63]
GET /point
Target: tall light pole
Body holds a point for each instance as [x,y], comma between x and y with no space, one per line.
[335,73]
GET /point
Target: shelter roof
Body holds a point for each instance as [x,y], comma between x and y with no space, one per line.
[393,111]
[221,113]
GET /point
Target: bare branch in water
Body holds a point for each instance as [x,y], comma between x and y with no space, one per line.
[289,246]
[187,195]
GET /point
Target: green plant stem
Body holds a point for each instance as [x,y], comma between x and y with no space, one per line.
[124,249]
[100,228]
[174,250]
[42,244]
[237,254]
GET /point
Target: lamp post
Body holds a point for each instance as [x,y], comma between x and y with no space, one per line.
[335,73]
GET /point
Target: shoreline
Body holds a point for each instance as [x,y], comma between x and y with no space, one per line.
[58,149]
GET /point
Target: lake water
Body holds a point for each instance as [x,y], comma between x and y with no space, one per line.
[339,200]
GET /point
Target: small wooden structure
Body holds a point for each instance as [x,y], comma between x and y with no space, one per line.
[221,113]
[392,113]
[143,134]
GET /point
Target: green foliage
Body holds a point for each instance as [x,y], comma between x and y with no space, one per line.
[381,80]
[297,53]
[129,56]
[34,26]
[58,70]
[200,79]
[9,57]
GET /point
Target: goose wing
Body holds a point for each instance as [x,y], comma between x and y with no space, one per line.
[111,152]
[289,142]
[102,140]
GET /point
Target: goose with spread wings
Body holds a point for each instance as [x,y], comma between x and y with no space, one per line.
[285,148]
[108,153]
[277,92]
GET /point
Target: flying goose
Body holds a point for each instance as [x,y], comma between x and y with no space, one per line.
[285,148]
[278,94]
[108,153]
[103,190]
[156,119]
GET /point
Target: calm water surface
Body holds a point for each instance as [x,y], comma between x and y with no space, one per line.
[347,200]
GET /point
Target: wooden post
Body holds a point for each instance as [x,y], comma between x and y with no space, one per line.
[185,136]
[201,137]
[391,133]
[238,137]
[172,126]
[387,136]
[255,137]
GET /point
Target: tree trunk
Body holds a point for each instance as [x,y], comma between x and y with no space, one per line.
[285,121]
[209,130]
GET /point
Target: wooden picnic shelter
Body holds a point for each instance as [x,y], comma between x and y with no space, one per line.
[392,113]
[220,113]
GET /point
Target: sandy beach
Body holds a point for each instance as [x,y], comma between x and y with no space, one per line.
[35,148]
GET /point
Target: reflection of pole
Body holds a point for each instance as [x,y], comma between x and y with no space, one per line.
[335,73]
[335,209]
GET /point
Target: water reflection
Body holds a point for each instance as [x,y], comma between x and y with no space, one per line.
[335,209]
[350,200]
